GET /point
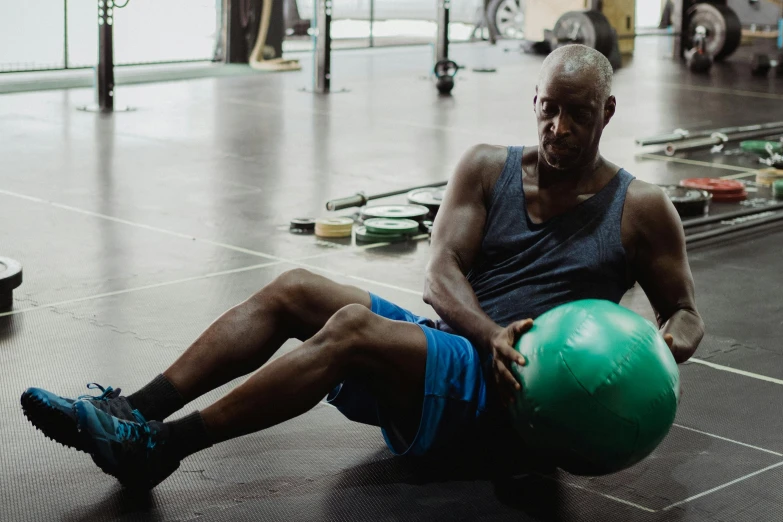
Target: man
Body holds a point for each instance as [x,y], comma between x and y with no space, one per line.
[519,232]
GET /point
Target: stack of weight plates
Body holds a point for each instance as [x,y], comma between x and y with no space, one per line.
[333,227]
[430,197]
[689,202]
[722,190]
[414,212]
[377,230]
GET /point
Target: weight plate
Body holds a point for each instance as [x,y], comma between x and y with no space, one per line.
[391,226]
[427,197]
[590,28]
[768,176]
[334,222]
[723,27]
[302,225]
[715,186]
[303,222]
[10,274]
[415,212]
[689,202]
[777,189]
[328,232]
[363,235]
[333,227]
[731,197]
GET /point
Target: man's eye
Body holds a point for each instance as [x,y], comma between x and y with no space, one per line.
[583,115]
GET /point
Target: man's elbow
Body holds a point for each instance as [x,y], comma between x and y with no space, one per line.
[696,332]
[430,287]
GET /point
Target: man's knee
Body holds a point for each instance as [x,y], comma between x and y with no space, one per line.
[288,289]
[351,320]
[348,329]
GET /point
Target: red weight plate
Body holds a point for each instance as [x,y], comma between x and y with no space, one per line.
[729,198]
[716,186]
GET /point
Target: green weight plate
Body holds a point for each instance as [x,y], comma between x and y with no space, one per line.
[391,226]
[363,235]
[416,212]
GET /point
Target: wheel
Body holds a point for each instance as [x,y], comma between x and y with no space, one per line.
[589,28]
[507,18]
[723,27]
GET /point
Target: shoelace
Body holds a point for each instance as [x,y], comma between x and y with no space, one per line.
[108,393]
[135,431]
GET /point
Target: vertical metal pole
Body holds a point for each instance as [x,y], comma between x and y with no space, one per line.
[106,55]
[323,47]
[372,21]
[442,44]
[65,34]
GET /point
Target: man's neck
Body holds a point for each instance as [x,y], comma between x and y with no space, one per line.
[549,176]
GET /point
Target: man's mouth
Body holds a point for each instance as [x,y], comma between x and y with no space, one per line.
[559,148]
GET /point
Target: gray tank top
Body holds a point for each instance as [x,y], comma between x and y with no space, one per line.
[525,269]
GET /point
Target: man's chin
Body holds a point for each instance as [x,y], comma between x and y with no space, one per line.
[560,162]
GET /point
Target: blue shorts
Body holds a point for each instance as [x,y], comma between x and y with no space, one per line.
[455,394]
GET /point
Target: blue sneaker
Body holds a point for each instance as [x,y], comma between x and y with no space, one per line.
[54,416]
[131,451]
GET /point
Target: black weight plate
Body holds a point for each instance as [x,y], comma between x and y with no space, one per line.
[303,223]
[302,226]
[590,28]
[724,30]
[689,202]
[428,197]
[10,274]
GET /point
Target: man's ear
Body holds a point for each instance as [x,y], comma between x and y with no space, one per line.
[535,99]
[609,108]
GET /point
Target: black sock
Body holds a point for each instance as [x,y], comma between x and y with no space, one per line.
[157,400]
[186,436]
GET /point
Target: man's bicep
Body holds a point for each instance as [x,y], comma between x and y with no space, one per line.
[662,263]
[459,226]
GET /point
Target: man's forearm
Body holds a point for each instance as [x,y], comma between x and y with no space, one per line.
[452,297]
[687,329]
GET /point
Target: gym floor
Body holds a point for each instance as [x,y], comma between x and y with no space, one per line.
[136,230]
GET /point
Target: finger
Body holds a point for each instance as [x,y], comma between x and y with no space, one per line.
[520,327]
[510,354]
[508,376]
[669,338]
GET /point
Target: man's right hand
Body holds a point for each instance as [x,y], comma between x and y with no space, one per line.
[501,344]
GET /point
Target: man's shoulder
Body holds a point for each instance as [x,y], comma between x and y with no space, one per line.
[648,210]
[645,196]
[485,155]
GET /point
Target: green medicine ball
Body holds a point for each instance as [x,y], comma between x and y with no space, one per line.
[599,390]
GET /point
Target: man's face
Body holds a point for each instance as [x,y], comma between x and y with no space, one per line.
[571,114]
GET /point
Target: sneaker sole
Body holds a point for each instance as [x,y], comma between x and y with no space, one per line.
[129,481]
[53,423]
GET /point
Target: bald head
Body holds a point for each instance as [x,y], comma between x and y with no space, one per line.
[573,104]
[581,63]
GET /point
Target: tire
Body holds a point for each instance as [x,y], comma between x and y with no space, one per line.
[594,30]
[713,14]
[498,11]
